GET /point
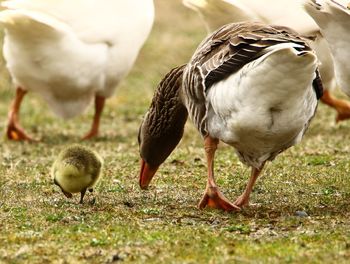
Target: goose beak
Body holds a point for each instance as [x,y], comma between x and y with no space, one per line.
[146,174]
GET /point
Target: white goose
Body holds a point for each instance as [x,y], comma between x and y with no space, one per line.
[71,52]
[290,13]
[252,86]
[334,21]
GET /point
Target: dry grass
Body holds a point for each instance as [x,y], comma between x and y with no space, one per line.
[162,225]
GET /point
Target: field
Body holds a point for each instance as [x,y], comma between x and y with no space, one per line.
[300,210]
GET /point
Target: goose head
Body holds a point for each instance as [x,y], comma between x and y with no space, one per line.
[162,127]
[324,11]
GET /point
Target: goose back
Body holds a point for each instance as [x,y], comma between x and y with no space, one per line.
[225,52]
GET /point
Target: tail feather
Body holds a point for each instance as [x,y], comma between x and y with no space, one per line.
[285,51]
[287,45]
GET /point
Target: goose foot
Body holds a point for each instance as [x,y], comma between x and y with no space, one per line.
[341,106]
[15,132]
[242,201]
[343,112]
[91,134]
[213,198]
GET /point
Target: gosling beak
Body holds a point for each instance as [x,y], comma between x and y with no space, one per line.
[67,194]
[146,174]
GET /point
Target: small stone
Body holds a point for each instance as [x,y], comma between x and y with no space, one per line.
[117,257]
[128,204]
[301,214]
[177,162]
[93,201]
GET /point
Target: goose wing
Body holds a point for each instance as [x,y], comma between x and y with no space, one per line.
[226,52]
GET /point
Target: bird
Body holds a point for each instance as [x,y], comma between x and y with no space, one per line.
[77,169]
[250,85]
[333,18]
[216,13]
[71,53]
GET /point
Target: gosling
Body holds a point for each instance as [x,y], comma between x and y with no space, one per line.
[77,169]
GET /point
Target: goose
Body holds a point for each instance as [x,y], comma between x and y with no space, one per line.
[216,13]
[252,86]
[76,169]
[71,52]
[333,19]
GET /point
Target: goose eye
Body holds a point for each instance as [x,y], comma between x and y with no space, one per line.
[139,135]
[140,128]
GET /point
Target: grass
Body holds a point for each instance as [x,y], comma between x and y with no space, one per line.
[300,211]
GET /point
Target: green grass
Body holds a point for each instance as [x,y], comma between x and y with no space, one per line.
[163,225]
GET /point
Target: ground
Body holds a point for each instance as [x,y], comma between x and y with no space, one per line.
[300,211]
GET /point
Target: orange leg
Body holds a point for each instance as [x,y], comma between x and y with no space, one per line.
[243,200]
[340,105]
[212,196]
[14,130]
[99,104]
